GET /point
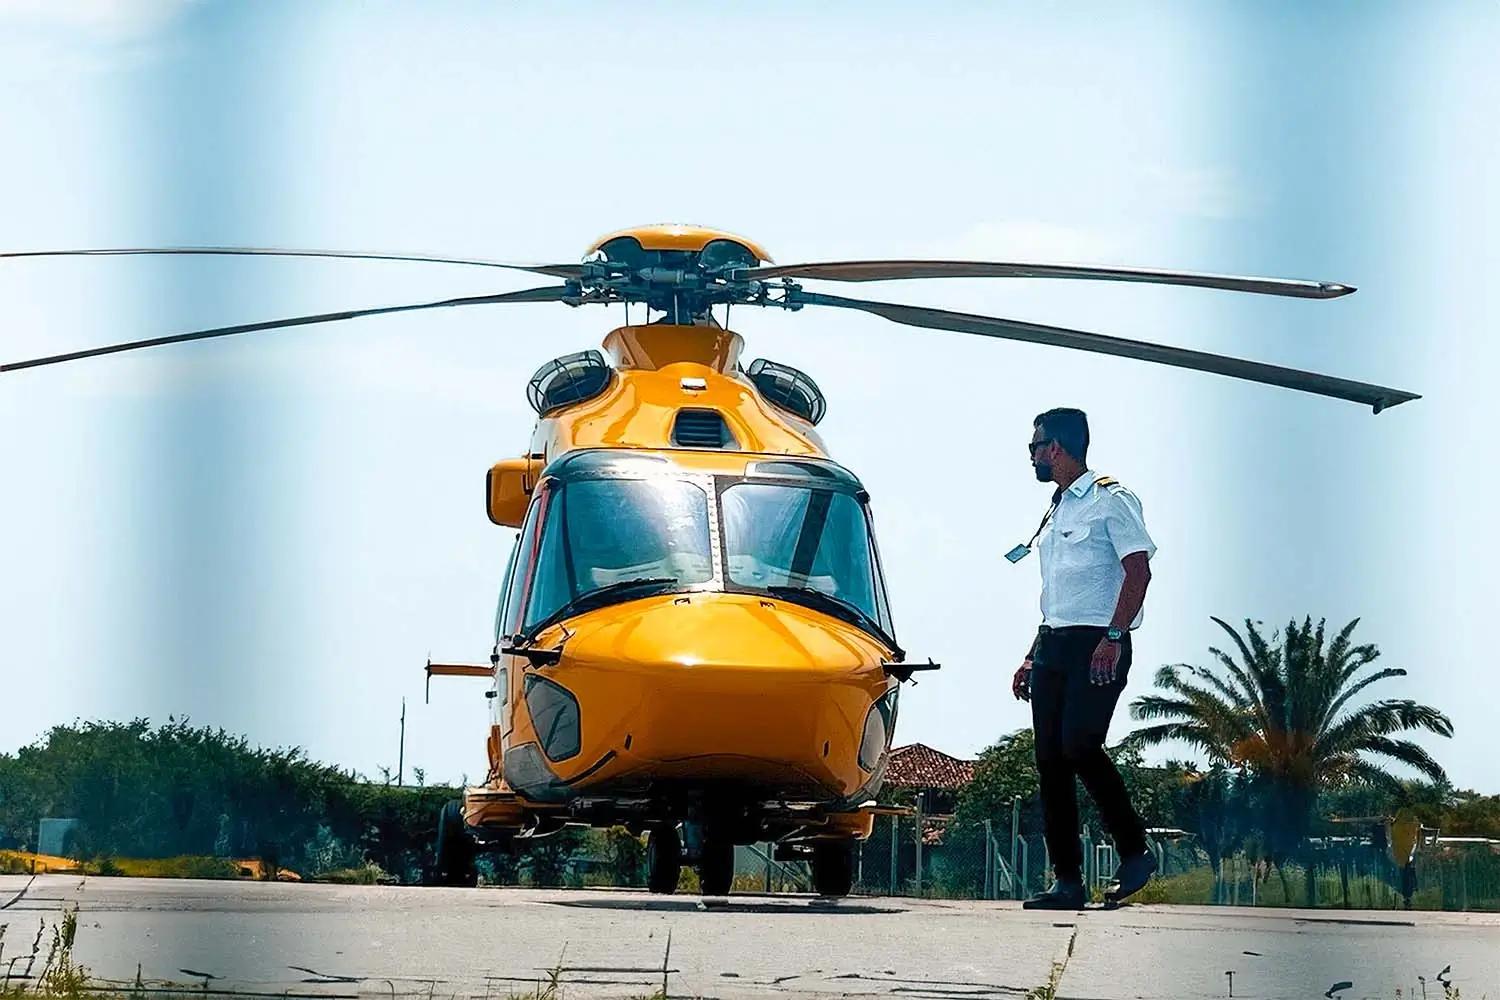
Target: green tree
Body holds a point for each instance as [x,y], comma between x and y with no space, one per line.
[1283,714]
[1004,773]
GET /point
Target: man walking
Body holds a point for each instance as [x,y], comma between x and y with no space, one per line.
[1095,556]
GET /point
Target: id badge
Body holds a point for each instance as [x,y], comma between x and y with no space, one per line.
[1018,553]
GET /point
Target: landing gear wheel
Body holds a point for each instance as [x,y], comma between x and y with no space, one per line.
[716,867]
[833,868]
[455,849]
[663,860]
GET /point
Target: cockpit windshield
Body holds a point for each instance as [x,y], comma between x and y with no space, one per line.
[801,542]
[602,533]
[605,529]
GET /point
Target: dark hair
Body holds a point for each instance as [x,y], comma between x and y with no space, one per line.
[1069,428]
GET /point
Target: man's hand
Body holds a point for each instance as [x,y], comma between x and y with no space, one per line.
[1020,685]
[1102,665]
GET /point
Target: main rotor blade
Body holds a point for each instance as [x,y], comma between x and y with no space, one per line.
[555,270]
[548,294]
[1375,396]
[894,270]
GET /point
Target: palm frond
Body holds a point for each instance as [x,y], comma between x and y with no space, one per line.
[1264,667]
[1193,735]
[1367,773]
[1382,718]
[1231,695]
[1194,704]
[1154,706]
[1268,666]
[1247,684]
[1343,699]
[1407,753]
[1301,658]
[1340,644]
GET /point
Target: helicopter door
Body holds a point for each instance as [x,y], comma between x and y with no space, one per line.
[519,579]
[499,694]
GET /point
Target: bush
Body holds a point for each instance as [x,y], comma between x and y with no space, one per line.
[144,791]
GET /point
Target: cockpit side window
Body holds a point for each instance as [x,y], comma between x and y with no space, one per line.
[510,572]
[882,596]
[524,565]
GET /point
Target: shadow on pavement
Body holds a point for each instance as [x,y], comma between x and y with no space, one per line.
[731,904]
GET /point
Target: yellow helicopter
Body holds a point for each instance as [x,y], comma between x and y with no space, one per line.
[693,637]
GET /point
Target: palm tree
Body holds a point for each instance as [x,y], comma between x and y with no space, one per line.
[1282,716]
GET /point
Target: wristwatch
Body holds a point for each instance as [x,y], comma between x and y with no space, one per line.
[1114,634]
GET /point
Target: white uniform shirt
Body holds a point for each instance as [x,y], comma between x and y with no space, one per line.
[1093,528]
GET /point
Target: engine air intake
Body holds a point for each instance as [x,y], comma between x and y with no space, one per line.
[701,429]
[789,389]
[569,379]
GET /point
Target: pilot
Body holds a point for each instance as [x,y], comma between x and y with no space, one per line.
[1095,562]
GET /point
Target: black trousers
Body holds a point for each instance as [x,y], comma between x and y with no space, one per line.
[1070,717]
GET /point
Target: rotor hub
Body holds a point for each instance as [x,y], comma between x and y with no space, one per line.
[680,271]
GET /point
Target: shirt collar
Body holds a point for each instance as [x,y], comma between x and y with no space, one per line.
[1081,485]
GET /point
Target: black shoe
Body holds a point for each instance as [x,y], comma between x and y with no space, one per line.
[1132,875]
[1062,896]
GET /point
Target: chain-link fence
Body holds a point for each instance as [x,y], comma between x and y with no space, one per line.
[955,862]
[985,861]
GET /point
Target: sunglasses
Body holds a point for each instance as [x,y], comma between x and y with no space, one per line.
[1034,445]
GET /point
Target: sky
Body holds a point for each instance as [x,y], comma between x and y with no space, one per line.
[271,533]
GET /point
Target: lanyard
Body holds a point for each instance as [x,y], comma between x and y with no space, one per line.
[1045,518]
[1022,551]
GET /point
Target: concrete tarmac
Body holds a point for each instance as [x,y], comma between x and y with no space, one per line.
[357,941]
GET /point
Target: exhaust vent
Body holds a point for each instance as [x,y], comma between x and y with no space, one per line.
[701,429]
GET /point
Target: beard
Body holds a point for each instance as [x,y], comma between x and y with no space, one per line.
[1043,472]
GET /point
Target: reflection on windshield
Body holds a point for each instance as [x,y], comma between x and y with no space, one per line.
[601,532]
[788,536]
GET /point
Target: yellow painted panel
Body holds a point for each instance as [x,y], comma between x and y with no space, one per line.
[678,236]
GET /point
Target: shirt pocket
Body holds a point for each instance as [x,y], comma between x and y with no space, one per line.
[1078,534]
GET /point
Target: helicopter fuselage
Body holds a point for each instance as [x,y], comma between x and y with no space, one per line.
[693,617]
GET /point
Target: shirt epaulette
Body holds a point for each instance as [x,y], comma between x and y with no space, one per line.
[1112,484]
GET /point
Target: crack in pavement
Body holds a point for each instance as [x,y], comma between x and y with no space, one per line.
[17,897]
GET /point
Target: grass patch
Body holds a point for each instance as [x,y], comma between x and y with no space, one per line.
[182,866]
[28,863]
[367,874]
[185,866]
[1197,887]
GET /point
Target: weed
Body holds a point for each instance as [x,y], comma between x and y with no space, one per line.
[1048,990]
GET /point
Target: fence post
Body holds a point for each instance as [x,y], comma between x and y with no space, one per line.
[1086,848]
[989,861]
[895,852]
[919,844]
[1463,881]
[1015,840]
[1025,868]
[769,849]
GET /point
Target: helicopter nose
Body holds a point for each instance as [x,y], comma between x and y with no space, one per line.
[726,686]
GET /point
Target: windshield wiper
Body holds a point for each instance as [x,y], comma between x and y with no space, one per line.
[821,600]
[599,597]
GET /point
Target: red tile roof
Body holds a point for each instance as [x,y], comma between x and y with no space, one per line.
[919,766]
